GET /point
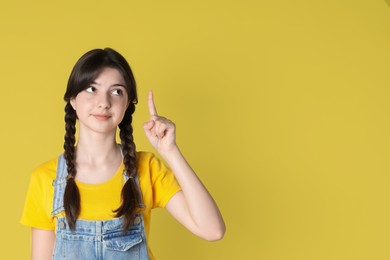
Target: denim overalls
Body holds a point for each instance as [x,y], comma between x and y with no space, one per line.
[100,240]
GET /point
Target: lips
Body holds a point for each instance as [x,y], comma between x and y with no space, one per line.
[101,117]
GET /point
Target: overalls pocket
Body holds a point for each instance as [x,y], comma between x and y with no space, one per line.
[123,243]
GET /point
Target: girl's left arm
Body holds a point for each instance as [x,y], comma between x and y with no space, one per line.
[193,206]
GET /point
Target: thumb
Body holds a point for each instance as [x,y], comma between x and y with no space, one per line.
[148,125]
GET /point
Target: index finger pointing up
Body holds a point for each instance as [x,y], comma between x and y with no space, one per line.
[152,107]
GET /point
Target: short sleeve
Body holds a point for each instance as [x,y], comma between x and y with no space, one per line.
[162,181]
[38,204]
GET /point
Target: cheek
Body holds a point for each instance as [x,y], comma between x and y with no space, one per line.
[82,107]
[121,104]
[122,111]
[82,102]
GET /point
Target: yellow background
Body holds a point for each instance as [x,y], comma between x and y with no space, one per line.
[282,108]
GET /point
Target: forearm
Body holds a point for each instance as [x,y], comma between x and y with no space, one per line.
[202,209]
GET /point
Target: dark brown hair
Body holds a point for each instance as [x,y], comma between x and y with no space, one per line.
[86,70]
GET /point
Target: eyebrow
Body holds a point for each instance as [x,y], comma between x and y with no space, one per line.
[113,85]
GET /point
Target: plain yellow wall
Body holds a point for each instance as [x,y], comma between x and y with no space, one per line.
[281,107]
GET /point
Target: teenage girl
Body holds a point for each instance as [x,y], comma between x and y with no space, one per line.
[94,201]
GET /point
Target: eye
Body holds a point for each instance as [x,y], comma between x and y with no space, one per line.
[117,92]
[90,89]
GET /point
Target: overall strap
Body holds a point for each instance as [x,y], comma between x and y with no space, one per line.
[59,186]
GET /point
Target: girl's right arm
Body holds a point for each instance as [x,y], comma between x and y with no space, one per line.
[42,244]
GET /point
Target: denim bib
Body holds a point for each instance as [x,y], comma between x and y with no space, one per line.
[100,240]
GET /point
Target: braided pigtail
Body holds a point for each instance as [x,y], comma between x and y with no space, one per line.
[71,195]
[131,197]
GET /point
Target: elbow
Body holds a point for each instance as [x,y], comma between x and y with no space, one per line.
[216,234]
[215,237]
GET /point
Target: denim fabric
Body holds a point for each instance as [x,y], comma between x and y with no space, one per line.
[100,240]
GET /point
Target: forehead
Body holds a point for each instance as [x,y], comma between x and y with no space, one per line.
[109,76]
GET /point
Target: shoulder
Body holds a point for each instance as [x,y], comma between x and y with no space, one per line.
[147,161]
[144,161]
[153,169]
[38,203]
[144,157]
[46,172]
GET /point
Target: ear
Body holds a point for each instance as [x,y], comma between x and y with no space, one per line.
[73,103]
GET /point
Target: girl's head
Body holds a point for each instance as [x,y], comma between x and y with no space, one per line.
[84,73]
[91,64]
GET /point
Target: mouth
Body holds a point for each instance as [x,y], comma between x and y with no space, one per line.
[101,117]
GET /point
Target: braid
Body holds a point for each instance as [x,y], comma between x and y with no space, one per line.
[131,198]
[71,195]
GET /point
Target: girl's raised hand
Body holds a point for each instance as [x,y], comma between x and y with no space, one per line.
[160,131]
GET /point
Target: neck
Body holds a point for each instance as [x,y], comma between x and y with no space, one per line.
[96,148]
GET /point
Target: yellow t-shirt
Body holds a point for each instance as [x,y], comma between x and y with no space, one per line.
[98,201]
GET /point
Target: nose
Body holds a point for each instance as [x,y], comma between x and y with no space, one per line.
[104,101]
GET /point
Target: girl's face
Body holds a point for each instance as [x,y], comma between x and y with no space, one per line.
[101,107]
